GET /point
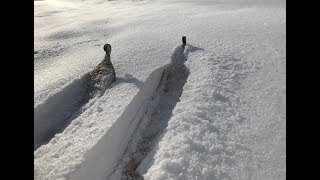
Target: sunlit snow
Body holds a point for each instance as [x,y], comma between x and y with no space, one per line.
[214,109]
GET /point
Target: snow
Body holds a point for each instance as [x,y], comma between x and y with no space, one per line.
[104,128]
[156,116]
[50,117]
[228,123]
[214,135]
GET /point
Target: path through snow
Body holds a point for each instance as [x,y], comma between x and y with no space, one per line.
[156,116]
[54,114]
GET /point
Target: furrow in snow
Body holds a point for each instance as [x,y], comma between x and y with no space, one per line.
[96,159]
[54,115]
[105,155]
[56,112]
[156,117]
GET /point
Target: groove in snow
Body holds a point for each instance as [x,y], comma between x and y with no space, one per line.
[156,117]
[56,113]
[102,158]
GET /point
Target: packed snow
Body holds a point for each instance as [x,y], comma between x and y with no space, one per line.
[214,109]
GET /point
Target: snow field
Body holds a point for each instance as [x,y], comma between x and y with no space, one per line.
[230,121]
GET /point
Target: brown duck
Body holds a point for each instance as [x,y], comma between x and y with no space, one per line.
[104,74]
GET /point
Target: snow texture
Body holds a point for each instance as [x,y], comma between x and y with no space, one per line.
[210,135]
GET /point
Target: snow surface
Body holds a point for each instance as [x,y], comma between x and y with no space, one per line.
[213,134]
[229,122]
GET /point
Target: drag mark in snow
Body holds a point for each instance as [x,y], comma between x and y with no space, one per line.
[156,116]
[167,96]
[156,99]
[56,113]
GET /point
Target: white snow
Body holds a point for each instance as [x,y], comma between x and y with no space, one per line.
[229,122]
[213,134]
